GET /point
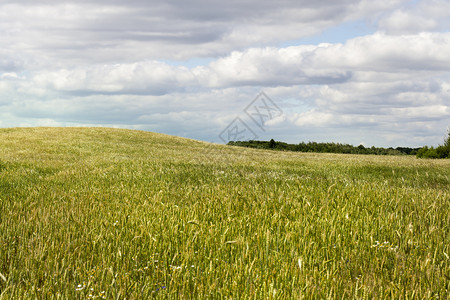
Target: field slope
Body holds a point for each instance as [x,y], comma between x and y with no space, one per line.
[121,214]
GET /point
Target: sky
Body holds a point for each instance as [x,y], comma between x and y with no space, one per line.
[351,71]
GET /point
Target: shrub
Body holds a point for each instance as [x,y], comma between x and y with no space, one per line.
[426,152]
[443,151]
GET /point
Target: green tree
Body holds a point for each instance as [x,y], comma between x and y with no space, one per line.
[272,144]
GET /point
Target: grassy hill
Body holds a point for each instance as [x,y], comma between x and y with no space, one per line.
[121,214]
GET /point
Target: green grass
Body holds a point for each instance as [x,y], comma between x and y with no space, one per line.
[121,214]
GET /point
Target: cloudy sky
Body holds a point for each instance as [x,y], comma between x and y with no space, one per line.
[351,71]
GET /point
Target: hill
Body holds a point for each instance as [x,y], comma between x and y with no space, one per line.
[112,213]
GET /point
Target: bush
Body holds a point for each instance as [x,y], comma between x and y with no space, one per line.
[443,151]
[426,152]
[439,152]
[431,153]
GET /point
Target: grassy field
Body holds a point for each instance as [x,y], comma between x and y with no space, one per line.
[118,214]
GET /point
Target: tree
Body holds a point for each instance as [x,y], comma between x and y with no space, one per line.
[272,144]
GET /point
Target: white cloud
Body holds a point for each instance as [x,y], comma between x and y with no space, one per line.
[422,112]
[9,75]
[148,77]
[42,33]
[331,63]
[428,15]
[313,118]
[385,53]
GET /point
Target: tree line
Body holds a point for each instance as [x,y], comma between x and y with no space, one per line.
[325,147]
[442,151]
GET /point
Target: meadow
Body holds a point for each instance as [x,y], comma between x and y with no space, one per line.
[100,213]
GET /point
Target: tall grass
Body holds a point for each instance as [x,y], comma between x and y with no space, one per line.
[120,214]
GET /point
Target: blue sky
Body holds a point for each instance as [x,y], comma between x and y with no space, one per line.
[336,34]
[360,71]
